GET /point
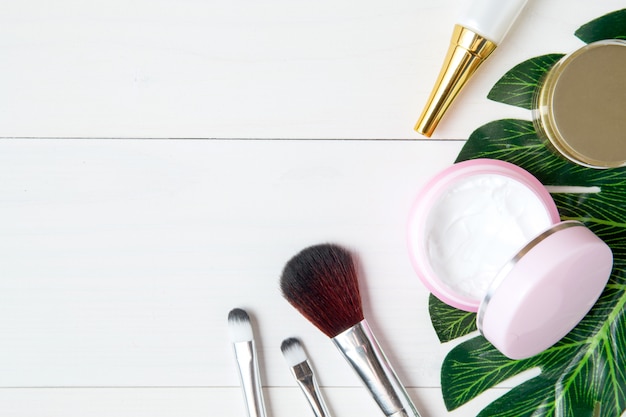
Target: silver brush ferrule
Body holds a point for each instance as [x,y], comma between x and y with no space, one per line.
[360,348]
[248,366]
[306,379]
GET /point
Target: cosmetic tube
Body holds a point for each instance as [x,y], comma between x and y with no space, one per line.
[479,30]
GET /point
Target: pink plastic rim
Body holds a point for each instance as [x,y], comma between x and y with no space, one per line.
[430,194]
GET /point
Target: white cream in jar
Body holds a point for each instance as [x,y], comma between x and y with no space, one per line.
[476,225]
[469,221]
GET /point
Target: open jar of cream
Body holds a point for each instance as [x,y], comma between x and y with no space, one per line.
[485,236]
[580,106]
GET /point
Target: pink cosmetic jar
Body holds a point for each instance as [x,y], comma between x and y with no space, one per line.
[485,236]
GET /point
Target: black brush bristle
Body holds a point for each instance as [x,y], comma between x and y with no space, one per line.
[289,343]
[238,315]
[322,284]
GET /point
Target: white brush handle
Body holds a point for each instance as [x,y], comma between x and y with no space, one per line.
[247,362]
[491,18]
[362,351]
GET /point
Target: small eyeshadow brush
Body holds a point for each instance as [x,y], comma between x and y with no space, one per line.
[322,284]
[242,339]
[296,358]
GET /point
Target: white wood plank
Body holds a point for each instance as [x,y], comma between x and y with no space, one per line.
[231,69]
[202,402]
[121,259]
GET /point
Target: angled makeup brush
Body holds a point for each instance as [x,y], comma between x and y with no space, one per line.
[321,283]
[296,358]
[242,339]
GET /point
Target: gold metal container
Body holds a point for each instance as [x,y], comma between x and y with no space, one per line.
[580,106]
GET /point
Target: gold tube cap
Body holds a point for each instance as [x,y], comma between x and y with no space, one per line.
[466,52]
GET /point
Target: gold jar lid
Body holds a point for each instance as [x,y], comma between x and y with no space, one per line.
[581,105]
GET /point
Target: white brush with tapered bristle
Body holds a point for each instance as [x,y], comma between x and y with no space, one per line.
[293,351]
[242,339]
[239,326]
[296,358]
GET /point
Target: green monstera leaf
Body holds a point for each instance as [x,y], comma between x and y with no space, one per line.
[610,26]
[584,374]
[517,87]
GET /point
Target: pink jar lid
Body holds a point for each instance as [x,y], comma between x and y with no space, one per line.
[542,275]
[545,291]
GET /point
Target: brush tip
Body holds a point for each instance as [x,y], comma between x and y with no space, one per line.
[293,351]
[321,283]
[239,326]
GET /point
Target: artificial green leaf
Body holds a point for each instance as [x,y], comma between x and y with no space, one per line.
[510,140]
[473,367]
[516,141]
[518,403]
[449,322]
[517,87]
[609,26]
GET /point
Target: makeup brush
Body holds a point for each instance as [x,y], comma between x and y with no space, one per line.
[321,283]
[296,358]
[242,339]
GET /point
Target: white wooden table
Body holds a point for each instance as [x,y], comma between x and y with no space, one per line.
[161,160]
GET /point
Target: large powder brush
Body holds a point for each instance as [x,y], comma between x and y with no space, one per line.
[321,283]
